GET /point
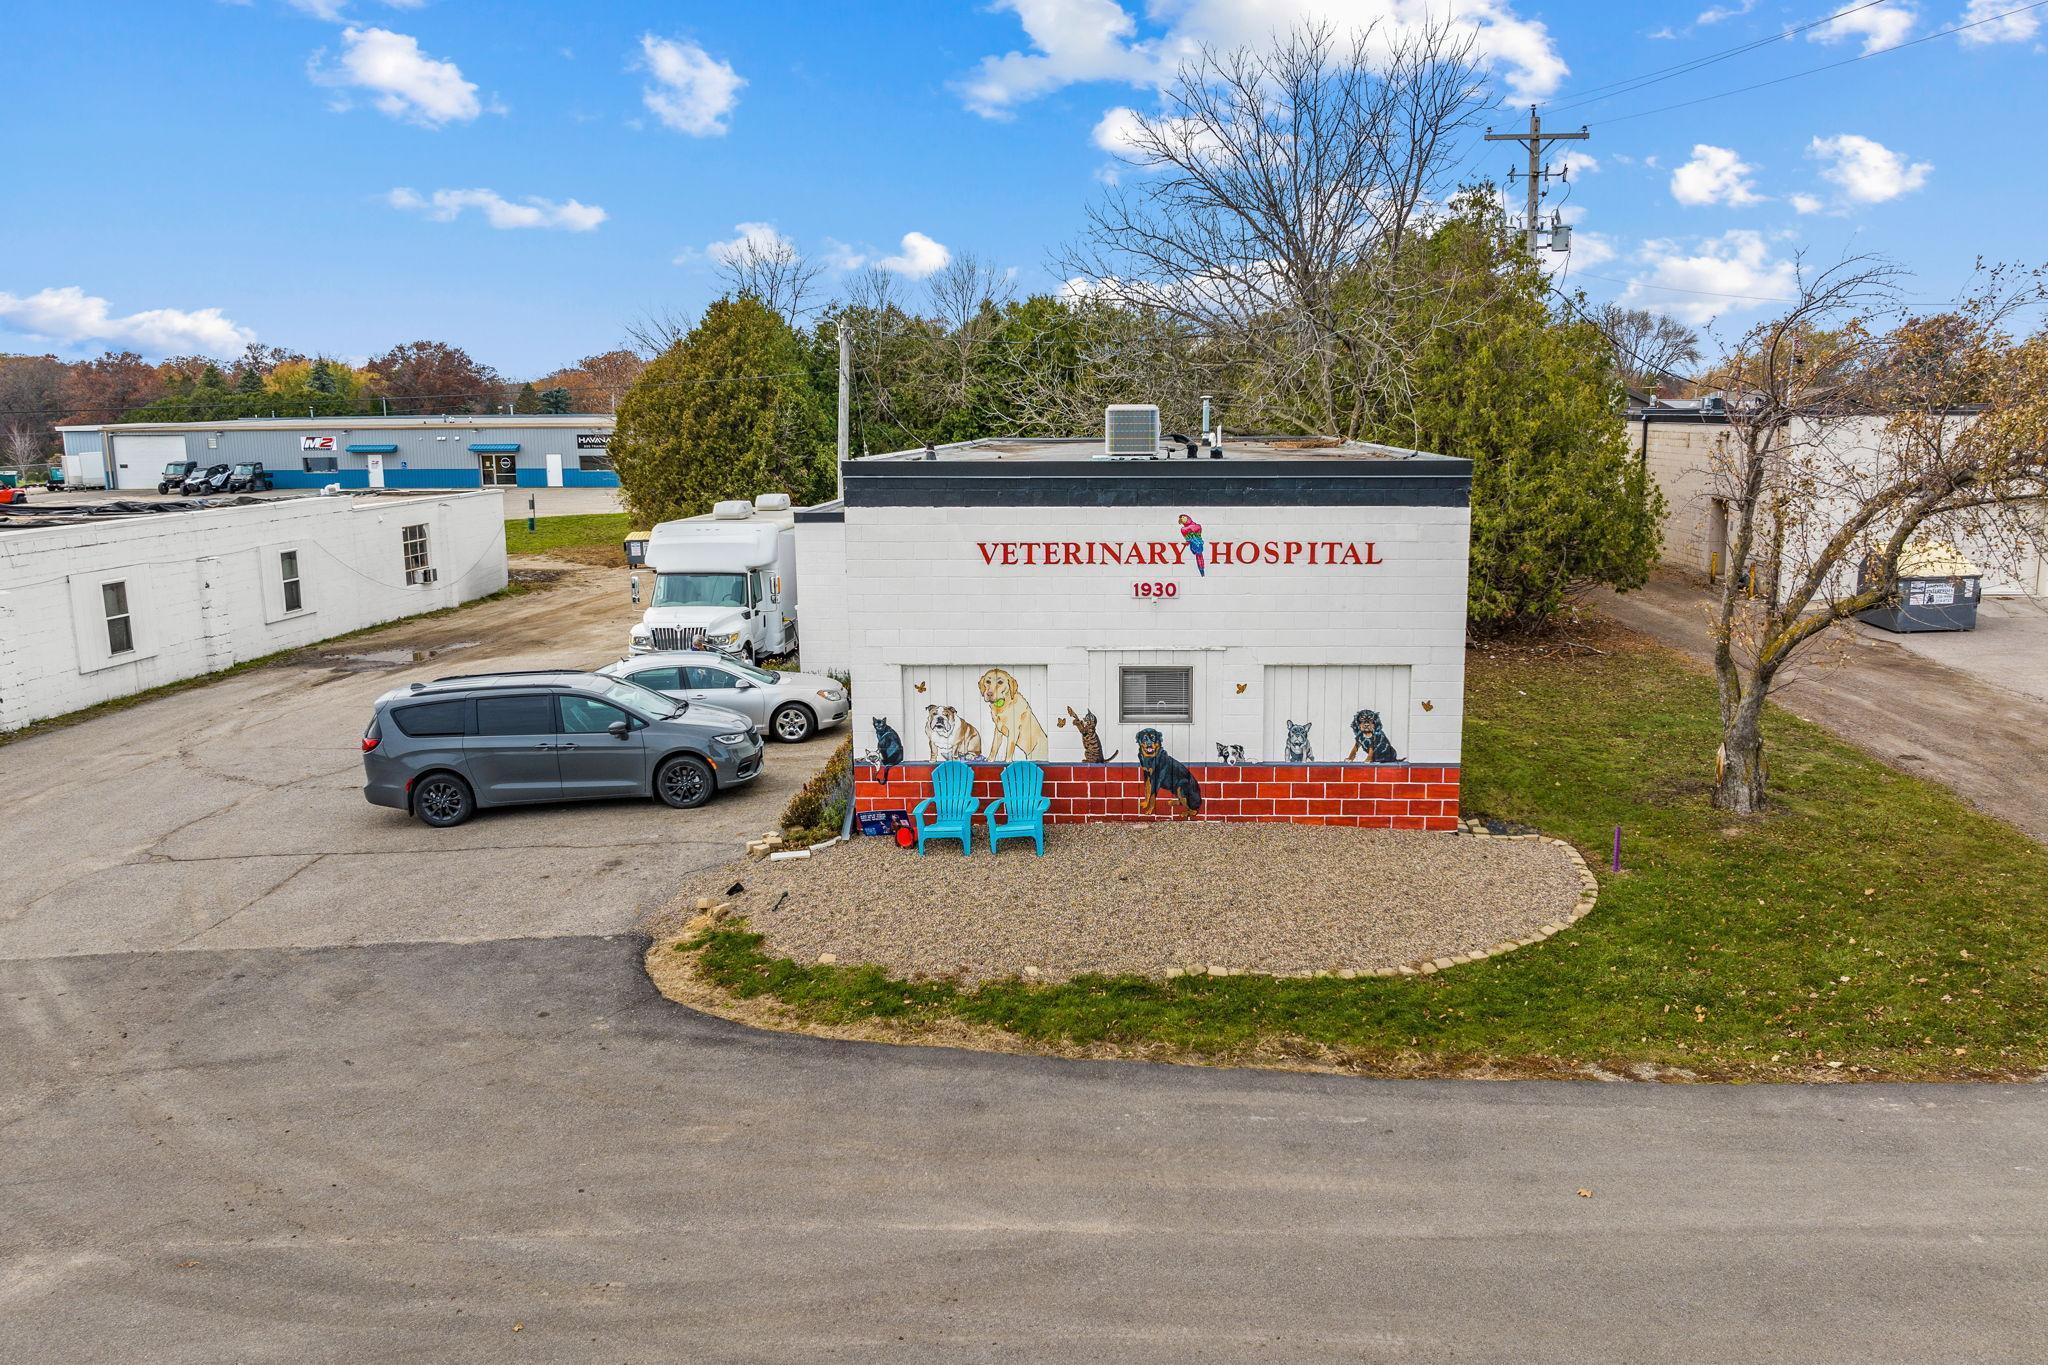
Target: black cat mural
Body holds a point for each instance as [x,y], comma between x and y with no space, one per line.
[888,748]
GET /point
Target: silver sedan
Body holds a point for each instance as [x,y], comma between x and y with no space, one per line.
[788,706]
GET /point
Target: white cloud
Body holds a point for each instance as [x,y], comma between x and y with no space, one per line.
[404,81]
[1590,250]
[1876,26]
[1805,203]
[445,206]
[754,239]
[692,90]
[1715,175]
[917,256]
[335,11]
[1578,163]
[1715,14]
[1867,171]
[2005,28]
[1071,41]
[1732,273]
[71,315]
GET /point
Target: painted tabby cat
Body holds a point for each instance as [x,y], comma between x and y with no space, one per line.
[1091,743]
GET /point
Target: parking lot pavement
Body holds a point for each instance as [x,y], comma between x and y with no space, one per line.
[516,1149]
[1967,713]
[232,815]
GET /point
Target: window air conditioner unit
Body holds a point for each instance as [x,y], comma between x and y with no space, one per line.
[1130,431]
[429,576]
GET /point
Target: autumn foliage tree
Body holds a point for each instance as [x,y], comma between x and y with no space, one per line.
[434,377]
[1818,520]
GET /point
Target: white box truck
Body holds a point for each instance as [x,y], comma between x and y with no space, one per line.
[726,581]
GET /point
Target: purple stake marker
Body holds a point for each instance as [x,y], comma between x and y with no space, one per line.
[1616,867]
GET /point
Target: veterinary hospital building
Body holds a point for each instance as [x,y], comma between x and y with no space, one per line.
[1254,607]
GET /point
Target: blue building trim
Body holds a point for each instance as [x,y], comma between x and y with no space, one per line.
[393,478]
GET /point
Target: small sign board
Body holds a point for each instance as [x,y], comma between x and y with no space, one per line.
[881,823]
[593,440]
[1931,595]
[321,443]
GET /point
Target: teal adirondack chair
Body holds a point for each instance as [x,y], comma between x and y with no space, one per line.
[953,805]
[1022,805]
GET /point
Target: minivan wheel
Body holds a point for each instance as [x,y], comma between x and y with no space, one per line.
[791,723]
[443,800]
[684,782]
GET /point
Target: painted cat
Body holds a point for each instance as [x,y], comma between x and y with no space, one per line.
[888,748]
[1299,750]
[1091,743]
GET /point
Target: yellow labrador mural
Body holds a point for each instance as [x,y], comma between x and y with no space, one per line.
[1014,731]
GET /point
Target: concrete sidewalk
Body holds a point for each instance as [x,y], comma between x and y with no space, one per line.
[1967,712]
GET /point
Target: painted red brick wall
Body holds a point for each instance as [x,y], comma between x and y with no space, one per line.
[1389,796]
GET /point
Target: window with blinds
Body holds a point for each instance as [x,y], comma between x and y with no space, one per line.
[1156,696]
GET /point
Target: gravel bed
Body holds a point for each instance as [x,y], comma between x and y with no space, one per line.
[1146,899]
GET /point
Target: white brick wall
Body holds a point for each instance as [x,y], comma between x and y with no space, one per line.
[821,623]
[205,588]
[919,594]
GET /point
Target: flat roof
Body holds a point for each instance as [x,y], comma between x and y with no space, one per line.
[362,422]
[45,516]
[1317,450]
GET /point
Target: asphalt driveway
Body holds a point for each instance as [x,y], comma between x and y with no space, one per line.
[409,1151]
[232,815]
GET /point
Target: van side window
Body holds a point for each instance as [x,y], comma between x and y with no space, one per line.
[434,718]
[528,715]
[589,716]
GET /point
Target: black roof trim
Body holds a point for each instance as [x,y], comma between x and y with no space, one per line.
[1433,481]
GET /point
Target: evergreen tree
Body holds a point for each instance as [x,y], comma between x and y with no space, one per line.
[320,379]
[728,411]
[211,377]
[555,400]
[527,400]
[1535,402]
[249,381]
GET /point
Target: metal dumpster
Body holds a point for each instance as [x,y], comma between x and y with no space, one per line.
[1939,589]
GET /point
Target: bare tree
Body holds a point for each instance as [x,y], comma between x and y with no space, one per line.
[967,297]
[1271,200]
[1934,427]
[654,331]
[1650,349]
[768,266]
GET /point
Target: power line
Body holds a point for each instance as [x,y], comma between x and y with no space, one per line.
[1830,66]
[1664,73]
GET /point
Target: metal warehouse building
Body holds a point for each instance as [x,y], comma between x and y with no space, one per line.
[364,452]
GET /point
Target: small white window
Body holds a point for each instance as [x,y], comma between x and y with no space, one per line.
[288,569]
[1156,696]
[416,564]
[120,626]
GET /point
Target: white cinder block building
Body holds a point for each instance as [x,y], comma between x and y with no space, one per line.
[98,607]
[1256,609]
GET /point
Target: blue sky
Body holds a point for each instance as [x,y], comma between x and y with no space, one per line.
[523,179]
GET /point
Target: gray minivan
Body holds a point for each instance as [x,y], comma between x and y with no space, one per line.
[441,750]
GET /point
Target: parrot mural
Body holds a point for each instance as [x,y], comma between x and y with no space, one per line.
[1191,531]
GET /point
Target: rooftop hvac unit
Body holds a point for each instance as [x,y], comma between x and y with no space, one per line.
[771,502]
[1130,431]
[736,509]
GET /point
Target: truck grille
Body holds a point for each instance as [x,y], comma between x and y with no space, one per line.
[677,637]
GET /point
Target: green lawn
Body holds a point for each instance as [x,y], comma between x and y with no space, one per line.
[1871,920]
[605,529]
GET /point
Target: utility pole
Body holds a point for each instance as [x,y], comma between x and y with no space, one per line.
[1536,140]
[845,394]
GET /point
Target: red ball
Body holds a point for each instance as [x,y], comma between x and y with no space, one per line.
[904,837]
